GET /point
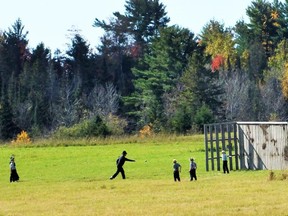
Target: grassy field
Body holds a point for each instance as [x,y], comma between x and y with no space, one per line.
[74,180]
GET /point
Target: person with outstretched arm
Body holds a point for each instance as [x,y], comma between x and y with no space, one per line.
[120,162]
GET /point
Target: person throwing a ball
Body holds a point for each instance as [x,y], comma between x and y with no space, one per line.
[120,162]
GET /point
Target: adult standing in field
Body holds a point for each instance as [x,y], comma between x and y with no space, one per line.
[120,162]
[176,170]
[13,172]
[225,162]
[192,171]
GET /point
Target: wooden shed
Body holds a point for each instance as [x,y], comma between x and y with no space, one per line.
[250,145]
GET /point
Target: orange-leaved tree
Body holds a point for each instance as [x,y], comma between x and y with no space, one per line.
[219,44]
[217,62]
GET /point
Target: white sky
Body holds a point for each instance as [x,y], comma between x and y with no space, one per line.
[48,21]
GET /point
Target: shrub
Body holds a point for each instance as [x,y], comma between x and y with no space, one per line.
[181,121]
[89,128]
[146,131]
[203,116]
[22,138]
[115,124]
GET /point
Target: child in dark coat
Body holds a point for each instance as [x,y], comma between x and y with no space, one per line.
[13,172]
[193,167]
[176,170]
[225,162]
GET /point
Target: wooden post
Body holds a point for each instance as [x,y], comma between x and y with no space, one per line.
[230,146]
[211,147]
[217,126]
[206,147]
[222,137]
[236,146]
[242,156]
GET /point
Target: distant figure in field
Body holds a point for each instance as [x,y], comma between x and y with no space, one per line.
[13,172]
[120,162]
[192,171]
[225,162]
[176,170]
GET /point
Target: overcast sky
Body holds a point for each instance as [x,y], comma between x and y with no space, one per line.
[48,21]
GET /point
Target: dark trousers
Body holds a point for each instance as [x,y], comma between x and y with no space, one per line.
[176,176]
[225,167]
[119,170]
[14,176]
[193,174]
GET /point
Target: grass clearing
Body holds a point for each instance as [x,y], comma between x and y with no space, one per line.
[74,180]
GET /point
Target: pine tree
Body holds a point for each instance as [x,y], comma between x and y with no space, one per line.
[158,74]
[8,129]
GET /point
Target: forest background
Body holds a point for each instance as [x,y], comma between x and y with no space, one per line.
[147,76]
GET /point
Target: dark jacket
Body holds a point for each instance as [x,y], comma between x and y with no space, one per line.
[121,160]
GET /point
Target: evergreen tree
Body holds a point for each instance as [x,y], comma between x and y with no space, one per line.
[8,128]
[263,24]
[127,37]
[201,88]
[14,55]
[15,48]
[158,74]
[34,89]
[80,64]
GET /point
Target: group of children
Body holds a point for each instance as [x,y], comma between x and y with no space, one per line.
[120,162]
[177,170]
[176,167]
[193,167]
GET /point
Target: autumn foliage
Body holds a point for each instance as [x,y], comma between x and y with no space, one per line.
[217,62]
[22,138]
[146,131]
[284,82]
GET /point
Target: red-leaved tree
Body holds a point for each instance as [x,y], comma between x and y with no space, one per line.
[217,62]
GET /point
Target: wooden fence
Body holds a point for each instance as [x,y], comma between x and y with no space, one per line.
[218,137]
[249,145]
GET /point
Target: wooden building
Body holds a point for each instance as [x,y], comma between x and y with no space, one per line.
[249,145]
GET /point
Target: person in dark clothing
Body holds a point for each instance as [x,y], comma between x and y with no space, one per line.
[120,162]
[176,170]
[225,162]
[193,167]
[13,172]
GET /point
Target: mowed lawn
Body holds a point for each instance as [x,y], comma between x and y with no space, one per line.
[74,180]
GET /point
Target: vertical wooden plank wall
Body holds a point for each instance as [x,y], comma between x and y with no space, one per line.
[262,145]
[218,137]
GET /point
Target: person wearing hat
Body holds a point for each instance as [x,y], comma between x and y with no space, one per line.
[176,170]
[120,162]
[13,172]
[192,171]
[225,162]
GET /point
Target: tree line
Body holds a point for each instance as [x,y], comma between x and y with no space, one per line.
[146,72]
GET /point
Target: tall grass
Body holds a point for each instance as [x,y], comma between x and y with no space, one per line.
[73,179]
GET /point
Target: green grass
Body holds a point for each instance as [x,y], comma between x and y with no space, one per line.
[74,180]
